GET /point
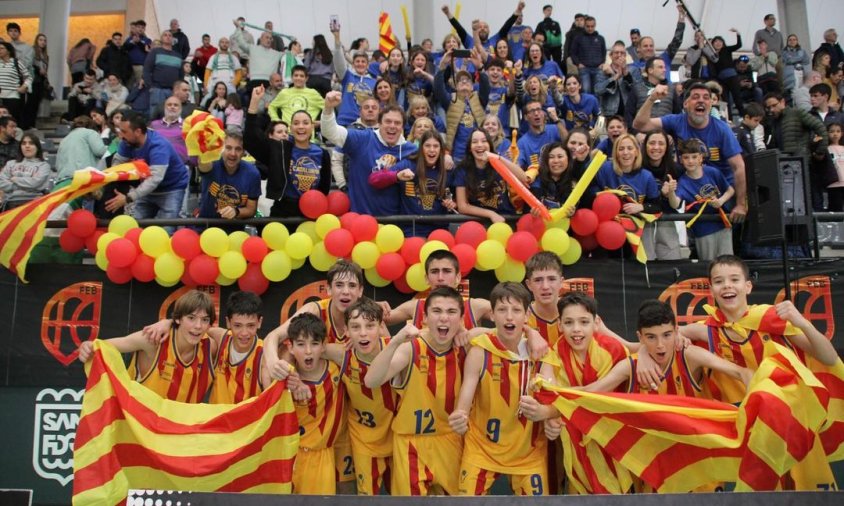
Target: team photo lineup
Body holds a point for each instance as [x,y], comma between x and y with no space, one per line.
[522,390]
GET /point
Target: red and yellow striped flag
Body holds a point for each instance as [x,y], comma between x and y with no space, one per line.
[386,39]
[129,437]
[677,444]
[23,227]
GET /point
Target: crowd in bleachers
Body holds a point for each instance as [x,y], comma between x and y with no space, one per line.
[412,130]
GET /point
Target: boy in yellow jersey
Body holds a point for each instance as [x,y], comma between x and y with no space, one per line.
[180,368]
[442,269]
[320,416]
[498,372]
[425,367]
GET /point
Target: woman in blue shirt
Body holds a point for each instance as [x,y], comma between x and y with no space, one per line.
[537,65]
[577,109]
[658,159]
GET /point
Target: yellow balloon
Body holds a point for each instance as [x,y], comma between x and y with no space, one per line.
[374,279]
[275,235]
[309,228]
[100,259]
[169,267]
[224,281]
[154,241]
[299,245]
[236,239]
[428,248]
[499,232]
[415,277]
[166,284]
[121,224]
[321,259]
[572,254]
[389,238]
[491,254]
[365,254]
[559,219]
[214,242]
[105,239]
[325,224]
[295,263]
[232,264]
[276,266]
[511,270]
[555,240]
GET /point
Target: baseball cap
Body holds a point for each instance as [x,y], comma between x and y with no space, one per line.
[744,58]
[636,31]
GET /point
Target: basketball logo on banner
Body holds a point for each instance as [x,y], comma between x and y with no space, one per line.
[809,293]
[74,312]
[582,285]
[687,298]
[167,305]
[311,292]
[56,419]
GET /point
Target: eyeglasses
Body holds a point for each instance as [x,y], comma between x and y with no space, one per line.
[531,111]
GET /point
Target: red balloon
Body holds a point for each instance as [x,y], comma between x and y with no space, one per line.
[532,224]
[606,206]
[364,228]
[339,242]
[82,223]
[410,249]
[471,233]
[204,269]
[253,280]
[584,222]
[91,241]
[121,252]
[521,246]
[390,266]
[610,235]
[402,286]
[134,235]
[185,243]
[187,280]
[588,242]
[443,235]
[118,275]
[313,204]
[254,249]
[71,242]
[347,221]
[466,257]
[338,203]
[144,268]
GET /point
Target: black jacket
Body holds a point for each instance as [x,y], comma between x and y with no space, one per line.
[115,60]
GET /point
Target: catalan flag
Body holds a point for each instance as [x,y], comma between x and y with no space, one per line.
[23,227]
[386,39]
[204,136]
[129,437]
[676,444]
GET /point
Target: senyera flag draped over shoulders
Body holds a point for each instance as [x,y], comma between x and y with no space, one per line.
[23,227]
[129,437]
[789,421]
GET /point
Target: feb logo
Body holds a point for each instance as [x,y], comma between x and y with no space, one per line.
[312,292]
[687,298]
[584,285]
[814,295]
[71,317]
[56,419]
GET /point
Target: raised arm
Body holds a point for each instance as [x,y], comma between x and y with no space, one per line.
[393,359]
[335,133]
[643,121]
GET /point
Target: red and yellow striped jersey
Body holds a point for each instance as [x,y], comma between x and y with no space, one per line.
[321,417]
[173,378]
[370,411]
[677,378]
[499,438]
[240,381]
[428,391]
[468,315]
[601,355]
[550,330]
[325,315]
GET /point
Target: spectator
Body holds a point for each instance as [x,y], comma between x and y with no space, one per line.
[201,56]
[26,177]
[181,91]
[587,52]
[537,65]
[615,82]
[833,80]
[765,64]
[419,82]
[822,61]
[725,69]
[271,92]
[655,74]
[194,84]
[801,97]
[747,85]
[835,191]
[114,58]
[539,134]
[616,127]
[297,98]
[24,52]
[216,104]
[554,181]
[831,46]
[230,186]
[83,96]
[241,41]
[819,97]
[553,35]
[80,59]
[500,143]
[162,68]
[181,44]
[633,48]
[101,124]
[26,55]
[169,126]
[138,46]
[319,65]
[278,42]
[234,113]
[796,61]
[465,108]
[355,82]
[771,36]
[647,47]
[161,194]
[115,94]
[80,149]
[575,30]
[657,157]
[263,62]
[8,143]
[15,79]
[750,132]
[292,57]
[696,63]
[514,37]
[419,108]
[579,144]
[223,67]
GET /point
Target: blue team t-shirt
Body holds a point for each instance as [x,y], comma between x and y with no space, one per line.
[157,150]
[530,144]
[368,154]
[639,185]
[717,136]
[221,189]
[548,69]
[355,88]
[581,114]
[413,201]
[304,171]
[499,199]
[712,184]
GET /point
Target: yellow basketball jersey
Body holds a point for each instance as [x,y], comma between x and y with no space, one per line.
[550,330]
[325,315]
[321,417]
[677,378]
[237,382]
[173,378]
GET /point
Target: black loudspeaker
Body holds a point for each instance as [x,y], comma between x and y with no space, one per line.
[779,198]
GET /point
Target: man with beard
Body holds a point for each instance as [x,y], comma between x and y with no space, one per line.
[696,122]
[230,186]
[222,67]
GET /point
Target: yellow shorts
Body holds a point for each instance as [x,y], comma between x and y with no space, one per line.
[476,481]
[344,466]
[313,472]
[426,465]
[372,473]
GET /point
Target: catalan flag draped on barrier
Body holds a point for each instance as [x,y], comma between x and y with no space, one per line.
[23,227]
[676,444]
[129,437]
[386,39]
